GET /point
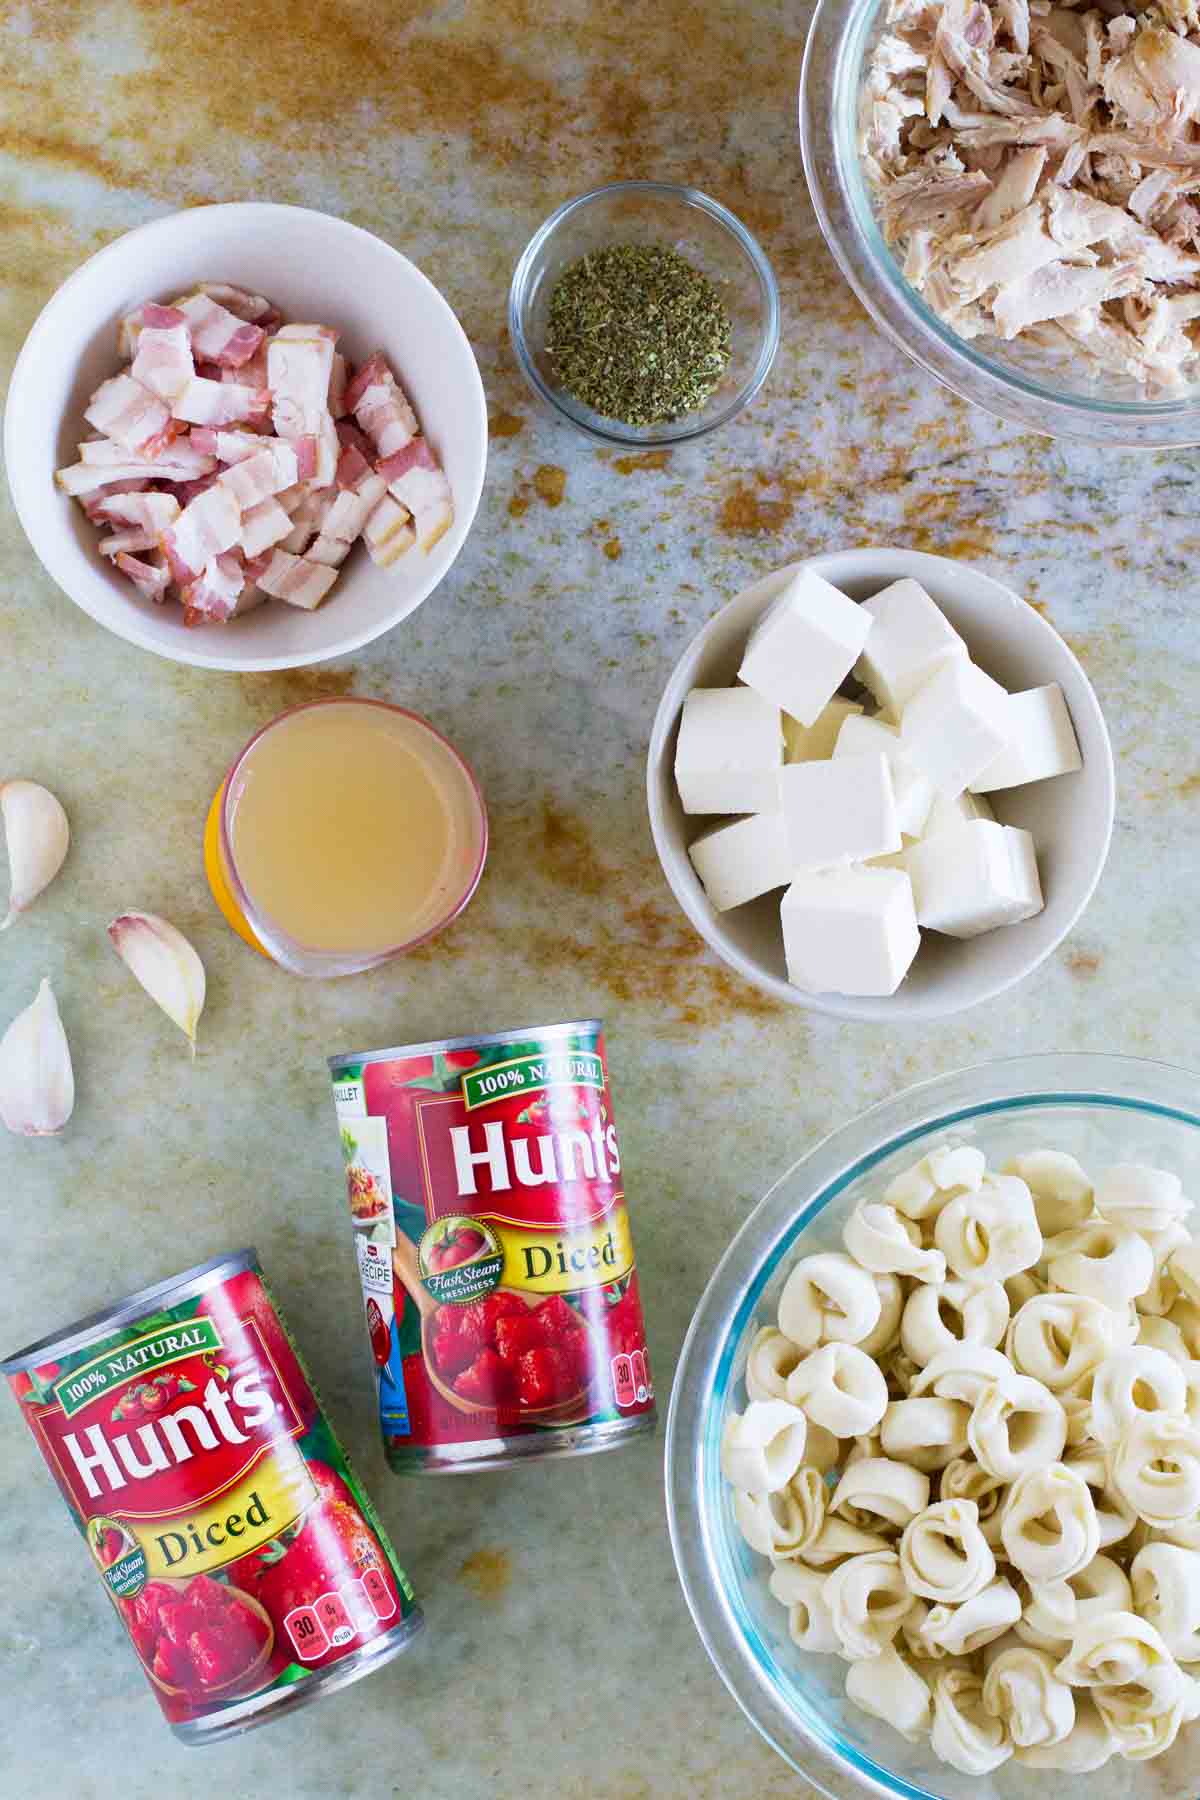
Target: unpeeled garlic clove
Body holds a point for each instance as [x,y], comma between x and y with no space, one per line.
[37,836]
[166,965]
[37,1083]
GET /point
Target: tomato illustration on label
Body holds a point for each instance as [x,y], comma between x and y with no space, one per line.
[455,1243]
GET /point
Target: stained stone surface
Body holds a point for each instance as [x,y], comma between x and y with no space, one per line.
[559,1654]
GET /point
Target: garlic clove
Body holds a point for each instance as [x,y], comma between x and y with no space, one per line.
[37,837]
[166,965]
[37,1083]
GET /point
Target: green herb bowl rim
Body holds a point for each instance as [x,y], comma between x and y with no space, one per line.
[610,431]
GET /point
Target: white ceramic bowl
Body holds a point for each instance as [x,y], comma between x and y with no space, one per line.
[1071,817]
[313,267]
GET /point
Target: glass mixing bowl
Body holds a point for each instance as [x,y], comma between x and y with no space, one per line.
[1101,1108]
[700,229]
[1068,399]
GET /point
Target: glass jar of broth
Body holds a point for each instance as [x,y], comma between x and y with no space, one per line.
[347,832]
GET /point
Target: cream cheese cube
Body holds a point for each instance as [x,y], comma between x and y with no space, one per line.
[1041,742]
[815,742]
[729,752]
[849,931]
[910,640]
[974,877]
[955,725]
[804,646]
[842,811]
[739,862]
[963,807]
[913,790]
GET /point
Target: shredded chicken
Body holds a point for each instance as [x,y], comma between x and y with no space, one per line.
[1037,168]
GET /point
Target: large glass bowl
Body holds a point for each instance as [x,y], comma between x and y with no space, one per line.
[1067,399]
[1103,1109]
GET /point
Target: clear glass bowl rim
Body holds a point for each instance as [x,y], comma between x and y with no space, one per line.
[728,1302]
[828,106]
[615,434]
[330,964]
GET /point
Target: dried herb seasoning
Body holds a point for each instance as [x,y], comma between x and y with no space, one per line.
[637,333]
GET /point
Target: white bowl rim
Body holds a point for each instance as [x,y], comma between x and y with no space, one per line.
[260,213]
[836,1158]
[889,564]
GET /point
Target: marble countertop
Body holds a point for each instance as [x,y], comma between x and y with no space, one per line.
[558,1651]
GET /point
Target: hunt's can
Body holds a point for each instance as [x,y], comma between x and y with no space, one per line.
[494,1248]
[220,1510]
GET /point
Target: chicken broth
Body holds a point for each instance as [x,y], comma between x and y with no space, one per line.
[351,827]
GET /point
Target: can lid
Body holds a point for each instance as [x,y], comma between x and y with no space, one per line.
[94,1325]
[475,1040]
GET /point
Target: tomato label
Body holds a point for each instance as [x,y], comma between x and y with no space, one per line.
[215,1499]
[503,1263]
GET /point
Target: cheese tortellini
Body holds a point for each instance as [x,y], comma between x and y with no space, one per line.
[970,1455]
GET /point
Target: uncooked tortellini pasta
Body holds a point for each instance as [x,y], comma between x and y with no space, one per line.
[970,1457]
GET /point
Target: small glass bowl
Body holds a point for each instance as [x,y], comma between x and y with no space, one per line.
[464,800]
[700,229]
[1103,1109]
[1069,398]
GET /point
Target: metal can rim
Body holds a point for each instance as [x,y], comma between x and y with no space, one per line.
[471,1041]
[75,1336]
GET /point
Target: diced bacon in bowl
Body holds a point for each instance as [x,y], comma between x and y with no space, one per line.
[217,334]
[237,457]
[381,406]
[414,477]
[150,579]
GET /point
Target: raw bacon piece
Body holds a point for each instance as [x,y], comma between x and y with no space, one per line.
[231,446]
[388,533]
[214,595]
[204,402]
[151,511]
[330,552]
[298,582]
[179,459]
[159,318]
[301,332]
[209,525]
[150,579]
[415,478]
[120,543]
[89,478]
[164,360]
[92,503]
[131,415]
[308,519]
[251,307]
[381,406]
[298,370]
[352,508]
[263,526]
[258,477]
[218,335]
[253,372]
